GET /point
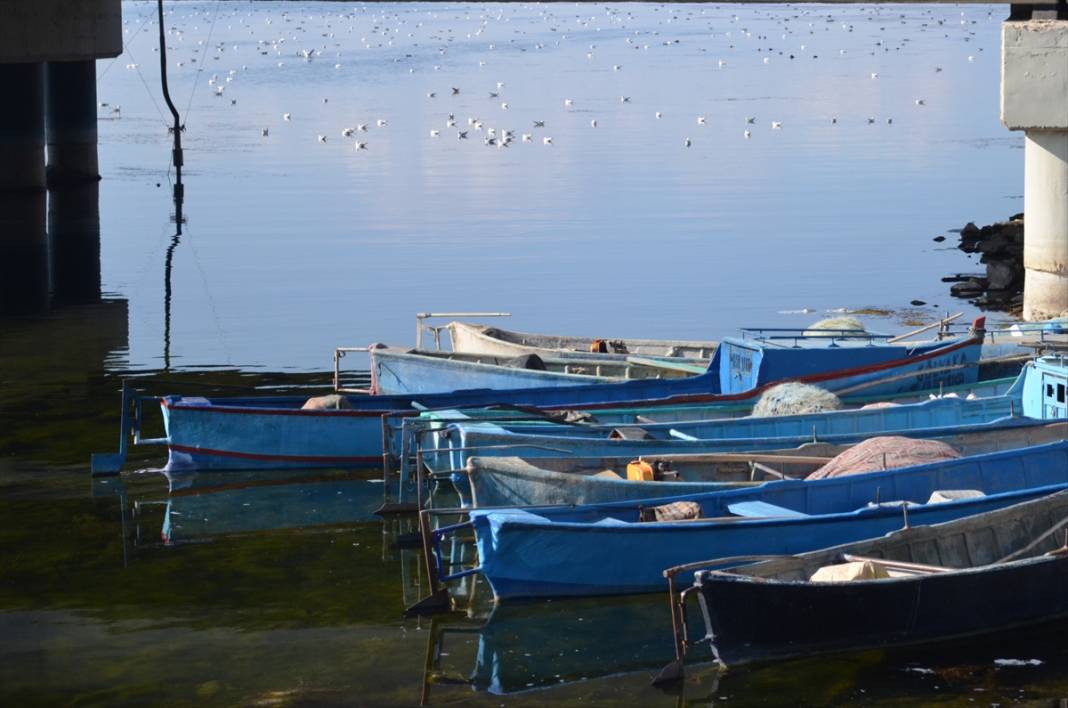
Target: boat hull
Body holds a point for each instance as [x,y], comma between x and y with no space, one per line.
[762,621]
[604,549]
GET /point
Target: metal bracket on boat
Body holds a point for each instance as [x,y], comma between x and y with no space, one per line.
[110,463]
[675,670]
[438,600]
[421,317]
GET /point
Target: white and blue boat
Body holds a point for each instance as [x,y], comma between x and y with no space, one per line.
[739,365]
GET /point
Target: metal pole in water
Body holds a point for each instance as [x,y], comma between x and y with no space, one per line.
[179,191]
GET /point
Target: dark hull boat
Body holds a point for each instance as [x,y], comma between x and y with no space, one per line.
[999,570]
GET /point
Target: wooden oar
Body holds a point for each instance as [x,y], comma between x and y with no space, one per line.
[926,328]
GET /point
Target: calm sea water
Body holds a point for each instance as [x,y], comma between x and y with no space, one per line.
[287,590]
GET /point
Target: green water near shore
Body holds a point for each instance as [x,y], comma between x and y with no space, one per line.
[257,602]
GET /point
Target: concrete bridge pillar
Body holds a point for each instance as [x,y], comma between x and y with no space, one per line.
[70,110]
[22,133]
[1034,98]
[74,243]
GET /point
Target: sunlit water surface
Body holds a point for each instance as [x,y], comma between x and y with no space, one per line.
[275,591]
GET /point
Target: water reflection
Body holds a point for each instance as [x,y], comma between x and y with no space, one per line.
[24,272]
[516,648]
[74,237]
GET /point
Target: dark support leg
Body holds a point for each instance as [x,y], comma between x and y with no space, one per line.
[22,127]
[74,236]
[70,120]
[23,253]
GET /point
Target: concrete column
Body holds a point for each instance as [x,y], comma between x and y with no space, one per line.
[22,157]
[70,122]
[74,239]
[1045,224]
[1034,98]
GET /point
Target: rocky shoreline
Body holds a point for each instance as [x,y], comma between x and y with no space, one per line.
[1000,288]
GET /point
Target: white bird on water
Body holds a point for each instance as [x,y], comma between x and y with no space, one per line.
[362,127]
[687,142]
[776,125]
[434,133]
[381,123]
[624,99]
[360,146]
[748,134]
[527,137]
[874,75]
[659,115]
[504,106]
[920,102]
[568,102]
[347,132]
[546,141]
[751,120]
[322,138]
[287,116]
[593,123]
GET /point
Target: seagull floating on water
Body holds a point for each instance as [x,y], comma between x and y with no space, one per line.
[546,141]
[347,132]
[322,138]
[539,124]
[700,120]
[687,142]
[381,123]
[776,125]
[287,116]
[748,134]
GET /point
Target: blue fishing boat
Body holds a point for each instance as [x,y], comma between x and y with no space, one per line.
[738,366]
[998,570]
[447,441]
[278,432]
[514,481]
[605,549]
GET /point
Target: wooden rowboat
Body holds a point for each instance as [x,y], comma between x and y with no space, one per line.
[997,570]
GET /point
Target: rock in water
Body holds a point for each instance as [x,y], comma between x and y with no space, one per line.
[793,398]
[851,324]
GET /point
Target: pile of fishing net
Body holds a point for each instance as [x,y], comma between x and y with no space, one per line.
[883,453]
[793,398]
[845,324]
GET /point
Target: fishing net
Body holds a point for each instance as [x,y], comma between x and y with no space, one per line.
[851,324]
[795,398]
[883,453]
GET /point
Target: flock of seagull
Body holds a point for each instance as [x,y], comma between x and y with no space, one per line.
[402,33]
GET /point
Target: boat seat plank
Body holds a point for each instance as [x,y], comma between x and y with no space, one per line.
[762,509]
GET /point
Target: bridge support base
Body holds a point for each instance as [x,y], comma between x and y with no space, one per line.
[22,127]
